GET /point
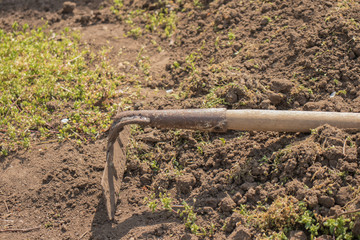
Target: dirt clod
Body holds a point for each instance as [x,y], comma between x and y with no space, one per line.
[281,85]
[146,179]
[343,196]
[227,205]
[326,201]
[68,7]
[297,235]
[231,222]
[275,98]
[240,233]
[356,227]
[185,183]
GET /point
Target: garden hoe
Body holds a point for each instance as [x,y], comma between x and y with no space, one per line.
[214,119]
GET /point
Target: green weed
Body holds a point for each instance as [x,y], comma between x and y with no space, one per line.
[163,22]
[186,212]
[44,78]
[117,5]
[339,228]
[135,32]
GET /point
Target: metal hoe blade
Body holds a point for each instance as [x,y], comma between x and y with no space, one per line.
[116,161]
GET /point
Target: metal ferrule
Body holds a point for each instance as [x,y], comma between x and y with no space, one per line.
[212,119]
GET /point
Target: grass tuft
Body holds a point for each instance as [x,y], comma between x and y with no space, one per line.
[45,78]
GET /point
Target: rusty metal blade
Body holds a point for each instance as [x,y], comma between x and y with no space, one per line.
[114,170]
[116,160]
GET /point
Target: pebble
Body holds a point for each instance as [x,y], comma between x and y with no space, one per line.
[64,121]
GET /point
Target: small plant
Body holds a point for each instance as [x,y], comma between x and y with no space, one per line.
[231,37]
[166,201]
[200,150]
[154,166]
[339,227]
[264,159]
[217,40]
[151,202]
[267,18]
[163,21]
[197,3]
[309,221]
[212,100]
[117,5]
[314,131]
[135,32]
[176,64]
[186,213]
[189,217]
[223,141]
[48,225]
[342,93]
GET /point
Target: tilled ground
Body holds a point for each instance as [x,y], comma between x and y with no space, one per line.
[288,55]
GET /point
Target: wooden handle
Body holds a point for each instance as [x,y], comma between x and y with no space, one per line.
[288,121]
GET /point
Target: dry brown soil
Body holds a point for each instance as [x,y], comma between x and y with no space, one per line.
[293,55]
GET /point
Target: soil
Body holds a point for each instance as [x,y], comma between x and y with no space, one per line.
[285,55]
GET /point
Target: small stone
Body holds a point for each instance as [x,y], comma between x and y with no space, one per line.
[249,65]
[326,201]
[64,121]
[68,7]
[297,235]
[211,202]
[227,205]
